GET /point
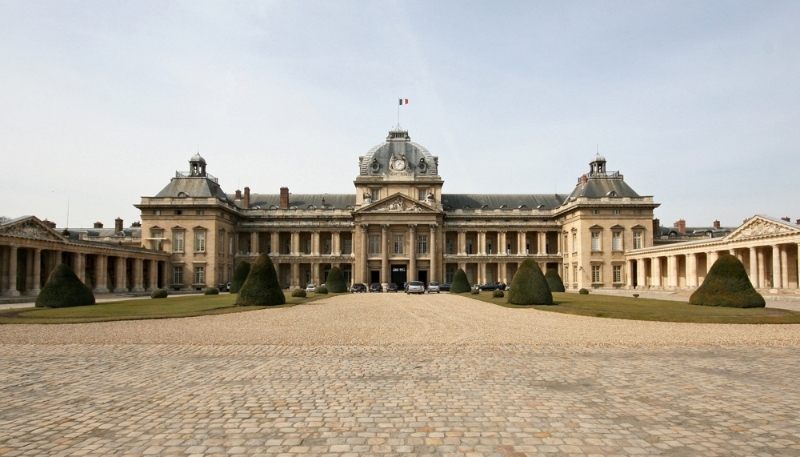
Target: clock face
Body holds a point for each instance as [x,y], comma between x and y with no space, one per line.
[399,164]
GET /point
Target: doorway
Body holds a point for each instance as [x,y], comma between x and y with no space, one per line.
[374,276]
[423,276]
[399,274]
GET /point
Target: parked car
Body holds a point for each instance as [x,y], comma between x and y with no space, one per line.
[487,286]
[444,287]
[375,287]
[415,287]
[358,287]
[433,287]
[311,287]
[224,287]
[392,287]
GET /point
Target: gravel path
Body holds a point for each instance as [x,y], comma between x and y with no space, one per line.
[401,320]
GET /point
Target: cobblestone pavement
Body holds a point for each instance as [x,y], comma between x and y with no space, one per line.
[404,399]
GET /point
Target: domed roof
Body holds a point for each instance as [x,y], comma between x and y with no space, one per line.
[418,161]
[197,158]
[598,158]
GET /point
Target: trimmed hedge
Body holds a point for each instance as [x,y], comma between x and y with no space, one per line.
[323,289]
[211,291]
[460,283]
[63,289]
[529,287]
[239,276]
[301,293]
[335,282]
[727,285]
[554,281]
[583,291]
[159,293]
[261,288]
[498,294]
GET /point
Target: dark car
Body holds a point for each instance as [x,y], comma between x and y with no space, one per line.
[358,287]
[489,286]
[392,287]
[375,287]
[444,287]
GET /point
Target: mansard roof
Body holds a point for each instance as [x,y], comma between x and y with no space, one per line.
[603,187]
[193,187]
[301,201]
[398,144]
[494,201]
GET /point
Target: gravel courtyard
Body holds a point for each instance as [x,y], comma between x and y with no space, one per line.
[390,374]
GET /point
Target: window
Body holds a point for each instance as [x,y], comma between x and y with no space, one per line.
[448,275]
[157,212]
[398,244]
[178,212]
[616,241]
[374,244]
[421,194]
[422,244]
[637,240]
[200,212]
[199,241]
[617,273]
[596,241]
[574,242]
[488,248]
[177,242]
[348,247]
[307,244]
[596,273]
[177,275]
[574,272]
[199,275]
[449,245]
[469,247]
[327,246]
[595,211]
[374,193]
[230,247]
[616,211]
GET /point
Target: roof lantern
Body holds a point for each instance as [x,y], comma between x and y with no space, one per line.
[197,166]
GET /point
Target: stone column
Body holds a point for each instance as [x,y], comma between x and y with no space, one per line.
[656,272]
[754,267]
[100,268]
[275,242]
[28,271]
[295,243]
[762,277]
[521,242]
[502,245]
[434,269]
[640,273]
[3,269]
[739,253]
[628,275]
[776,267]
[12,272]
[37,272]
[672,262]
[315,277]
[295,280]
[138,273]
[364,252]
[165,274]
[120,267]
[784,267]
[481,273]
[542,237]
[462,242]
[691,271]
[481,242]
[315,242]
[152,272]
[254,242]
[336,243]
[80,266]
[711,258]
[412,253]
[385,274]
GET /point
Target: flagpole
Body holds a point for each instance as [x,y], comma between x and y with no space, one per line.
[398,114]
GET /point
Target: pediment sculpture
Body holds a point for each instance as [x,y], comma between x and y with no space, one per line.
[30,229]
[761,227]
[399,205]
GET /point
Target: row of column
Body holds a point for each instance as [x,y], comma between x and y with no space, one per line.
[522,242]
[411,272]
[336,243]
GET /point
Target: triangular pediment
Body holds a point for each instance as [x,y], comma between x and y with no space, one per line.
[759,226]
[397,203]
[30,227]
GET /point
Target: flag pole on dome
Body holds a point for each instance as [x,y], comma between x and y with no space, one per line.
[401,102]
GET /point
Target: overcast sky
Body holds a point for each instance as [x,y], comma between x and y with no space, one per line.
[696,103]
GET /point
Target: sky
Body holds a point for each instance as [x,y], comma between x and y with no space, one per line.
[696,103]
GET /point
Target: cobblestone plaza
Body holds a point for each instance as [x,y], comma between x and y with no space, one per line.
[389,375]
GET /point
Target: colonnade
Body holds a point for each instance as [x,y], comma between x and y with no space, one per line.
[502,242]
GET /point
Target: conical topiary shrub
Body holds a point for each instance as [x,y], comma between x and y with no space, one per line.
[460,283]
[554,281]
[64,289]
[335,282]
[529,287]
[727,285]
[261,287]
[239,276]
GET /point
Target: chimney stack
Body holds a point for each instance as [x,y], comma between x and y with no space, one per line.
[716,225]
[584,180]
[786,219]
[797,222]
[284,198]
[238,195]
[117,225]
[136,224]
[98,225]
[246,198]
[656,227]
[681,224]
[50,224]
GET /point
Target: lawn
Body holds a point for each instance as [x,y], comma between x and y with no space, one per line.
[616,307]
[181,306]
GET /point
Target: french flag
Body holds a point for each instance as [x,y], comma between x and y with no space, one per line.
[403,101]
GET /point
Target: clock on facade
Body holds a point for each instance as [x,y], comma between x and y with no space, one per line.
[399,164]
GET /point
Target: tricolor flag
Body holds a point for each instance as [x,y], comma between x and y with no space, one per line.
[403,101]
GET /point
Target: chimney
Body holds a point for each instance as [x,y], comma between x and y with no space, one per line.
[681,224]
[797,222]
[786,219]
[584,180]
[238,194]
[323,202]
[136,224]
[98,225]
[246,197]
[656,227]
[716,225]
[117,225]
[284,198]
[50,224]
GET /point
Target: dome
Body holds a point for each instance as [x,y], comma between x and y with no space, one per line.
[399,153]
[599,158]
[197,158]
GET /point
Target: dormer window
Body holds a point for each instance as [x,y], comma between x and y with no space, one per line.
[182,194]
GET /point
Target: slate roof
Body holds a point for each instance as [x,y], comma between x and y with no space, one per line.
[600,187]
[494,201]
[193,187]
[301,201]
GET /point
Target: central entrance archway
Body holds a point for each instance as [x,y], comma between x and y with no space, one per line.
[399,274]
